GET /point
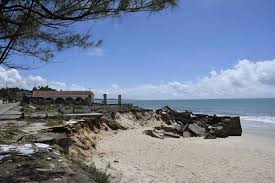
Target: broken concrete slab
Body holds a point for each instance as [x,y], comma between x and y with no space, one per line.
[49,138]
[168,109]
[184,128]
[157,135]
[234,126]
[34,128]
[166,128]
[92,114]
[21,149]
[219,131]
[153,133]
[171,134]
[199,131]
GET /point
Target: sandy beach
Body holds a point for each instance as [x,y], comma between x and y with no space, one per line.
[135,157]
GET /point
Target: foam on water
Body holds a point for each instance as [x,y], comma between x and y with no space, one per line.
[262,119]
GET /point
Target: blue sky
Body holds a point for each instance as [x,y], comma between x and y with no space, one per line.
[180,45]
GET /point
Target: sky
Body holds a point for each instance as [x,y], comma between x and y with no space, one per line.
[201,49]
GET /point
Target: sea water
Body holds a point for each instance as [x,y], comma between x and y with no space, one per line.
[255,113]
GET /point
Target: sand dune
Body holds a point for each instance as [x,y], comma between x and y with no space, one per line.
[138,158]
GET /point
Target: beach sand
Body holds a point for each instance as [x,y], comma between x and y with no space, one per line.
[138,158]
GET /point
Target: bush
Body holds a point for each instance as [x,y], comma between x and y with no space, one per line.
[27,109]
[55,122]
[95,174]
[68,107]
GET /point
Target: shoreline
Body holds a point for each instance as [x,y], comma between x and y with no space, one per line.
[252,124]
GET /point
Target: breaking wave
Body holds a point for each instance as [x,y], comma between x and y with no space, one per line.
[261,119]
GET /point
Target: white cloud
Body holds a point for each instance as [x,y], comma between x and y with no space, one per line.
[96,52]
[246,79]
[12,78]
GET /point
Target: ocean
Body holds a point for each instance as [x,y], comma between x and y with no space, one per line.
[253,112]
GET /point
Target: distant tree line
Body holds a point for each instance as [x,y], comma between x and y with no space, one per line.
[43,88]
[9,94]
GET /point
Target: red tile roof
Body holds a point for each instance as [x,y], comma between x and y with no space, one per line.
[84,94]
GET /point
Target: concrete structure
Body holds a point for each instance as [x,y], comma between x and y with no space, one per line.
[62,97]
[105,99]
[119,100]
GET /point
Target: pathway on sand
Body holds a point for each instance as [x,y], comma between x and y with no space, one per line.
[10,111]
[141,158]
[6,107]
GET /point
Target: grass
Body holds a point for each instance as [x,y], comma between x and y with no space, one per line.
[10,134]
[68,107]
[27,109]
[61,117]
[77,107]
[71,107]
[94,174]
[55,122]
[58,120]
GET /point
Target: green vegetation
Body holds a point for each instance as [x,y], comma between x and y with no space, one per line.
[58,120]
[40,108]
[10,94]
[55,122]
[71,107]
[95,174]
[27,109]
[10,134]
[77,107]
[43,88]
[48,108]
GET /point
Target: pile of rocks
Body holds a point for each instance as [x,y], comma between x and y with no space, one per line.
[187,124]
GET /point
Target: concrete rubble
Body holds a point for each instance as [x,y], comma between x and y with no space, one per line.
[187,124]
[6,150]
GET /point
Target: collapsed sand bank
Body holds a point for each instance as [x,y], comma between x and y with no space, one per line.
[136,157]
[116,140]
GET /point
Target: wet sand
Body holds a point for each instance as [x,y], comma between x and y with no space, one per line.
[138,158]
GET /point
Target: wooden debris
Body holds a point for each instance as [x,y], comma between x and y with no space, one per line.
[153,133]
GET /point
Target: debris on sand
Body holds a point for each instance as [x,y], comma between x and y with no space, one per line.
[187,124]
[21,149]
